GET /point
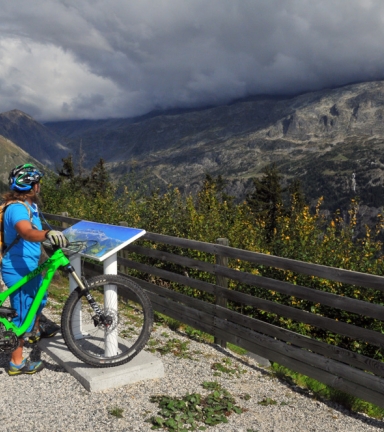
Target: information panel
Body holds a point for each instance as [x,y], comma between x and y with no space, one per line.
[101,240]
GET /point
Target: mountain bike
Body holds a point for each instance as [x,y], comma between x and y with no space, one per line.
[106,320]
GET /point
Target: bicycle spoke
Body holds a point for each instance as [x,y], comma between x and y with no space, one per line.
[127,328]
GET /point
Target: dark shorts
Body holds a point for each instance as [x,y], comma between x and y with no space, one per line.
[22,299]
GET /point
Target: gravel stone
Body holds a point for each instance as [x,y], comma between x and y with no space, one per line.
[53,400]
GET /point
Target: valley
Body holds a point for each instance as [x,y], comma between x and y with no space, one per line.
[324,138]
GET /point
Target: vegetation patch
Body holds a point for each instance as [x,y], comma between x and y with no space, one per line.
[322,391]
[236,349]
[194,411]
[174,346]
[116,412]
[267,401]
[59,292]
[275,219]
[226,366]
[198,335]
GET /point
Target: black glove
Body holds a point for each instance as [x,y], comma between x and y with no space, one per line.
[57,238]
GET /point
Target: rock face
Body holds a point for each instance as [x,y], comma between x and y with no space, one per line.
[10,156]
[333,140]
[322,137]
[32,137]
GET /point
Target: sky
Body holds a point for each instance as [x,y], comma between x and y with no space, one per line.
[97,59]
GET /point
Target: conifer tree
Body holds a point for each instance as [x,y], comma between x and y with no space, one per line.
[99,179]
[67,171]
[266,200]
[68,176]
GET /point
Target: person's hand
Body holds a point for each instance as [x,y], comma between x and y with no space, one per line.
[57,238]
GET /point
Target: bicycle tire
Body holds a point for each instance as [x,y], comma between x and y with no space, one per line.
[132,322]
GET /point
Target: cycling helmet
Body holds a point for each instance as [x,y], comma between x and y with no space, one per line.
[23,177]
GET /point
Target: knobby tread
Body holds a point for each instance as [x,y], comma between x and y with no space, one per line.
[126,285]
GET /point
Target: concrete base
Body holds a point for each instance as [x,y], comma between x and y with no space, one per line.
[142,367]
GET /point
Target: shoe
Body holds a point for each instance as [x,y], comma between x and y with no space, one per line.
[47,329]
[26,367]
[32,337]
[43,318]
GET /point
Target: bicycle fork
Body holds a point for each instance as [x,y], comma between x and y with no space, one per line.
[100,317]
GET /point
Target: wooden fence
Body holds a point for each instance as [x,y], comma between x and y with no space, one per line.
[340,368]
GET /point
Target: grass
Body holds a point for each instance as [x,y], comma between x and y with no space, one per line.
[59,289]
[319,390]
[226,367]
[192,333]
[236,349]
[323,392]
[267,401]
[164,320]
[58,292]
[116,412]
[174,346]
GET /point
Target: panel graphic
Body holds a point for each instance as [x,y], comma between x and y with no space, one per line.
[101,240]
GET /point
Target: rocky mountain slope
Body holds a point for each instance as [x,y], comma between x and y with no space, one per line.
[32,137]
[10,156]
[331,139]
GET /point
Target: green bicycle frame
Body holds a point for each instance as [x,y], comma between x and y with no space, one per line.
[58,259]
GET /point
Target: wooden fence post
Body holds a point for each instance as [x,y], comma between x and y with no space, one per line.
[223,282]
[64,224]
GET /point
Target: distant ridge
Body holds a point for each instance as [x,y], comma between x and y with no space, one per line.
[33,137]
[10,156]
[322,137]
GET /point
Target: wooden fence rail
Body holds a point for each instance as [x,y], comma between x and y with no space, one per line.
[338,367]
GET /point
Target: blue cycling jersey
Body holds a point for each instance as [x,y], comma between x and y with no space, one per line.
[22,258]
[24,254]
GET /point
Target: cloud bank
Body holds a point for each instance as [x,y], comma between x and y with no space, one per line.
[70,59]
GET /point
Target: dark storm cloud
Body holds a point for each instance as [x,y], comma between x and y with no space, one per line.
[93,58]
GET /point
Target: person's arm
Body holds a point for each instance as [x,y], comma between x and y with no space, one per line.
[25,230]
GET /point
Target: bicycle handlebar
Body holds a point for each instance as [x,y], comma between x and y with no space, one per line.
[77,246]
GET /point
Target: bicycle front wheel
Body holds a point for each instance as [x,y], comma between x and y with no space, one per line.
[128,325]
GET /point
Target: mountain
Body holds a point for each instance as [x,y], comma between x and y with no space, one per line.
[10,156]
[331,139]
[33,137]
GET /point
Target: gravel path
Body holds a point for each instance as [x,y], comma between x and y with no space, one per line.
[53,400]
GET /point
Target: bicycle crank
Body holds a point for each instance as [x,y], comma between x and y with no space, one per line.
[8,340]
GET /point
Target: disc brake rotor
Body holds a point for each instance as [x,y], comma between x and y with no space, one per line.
[111,320]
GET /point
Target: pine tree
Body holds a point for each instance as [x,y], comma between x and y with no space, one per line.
[67,171]
[99,179]
[68,176]
[266,200]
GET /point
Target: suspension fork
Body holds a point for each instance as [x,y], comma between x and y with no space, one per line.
[84,287]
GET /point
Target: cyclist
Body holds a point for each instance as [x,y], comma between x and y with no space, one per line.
[23,257]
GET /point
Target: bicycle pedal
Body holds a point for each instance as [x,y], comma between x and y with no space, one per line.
[27,335]
[31,337]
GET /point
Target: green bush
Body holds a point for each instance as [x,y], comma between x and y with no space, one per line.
[297,233]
